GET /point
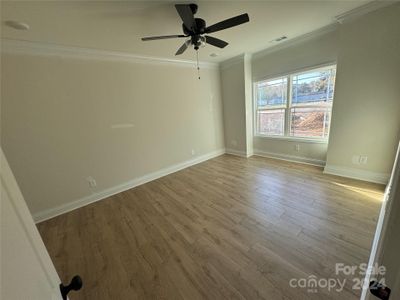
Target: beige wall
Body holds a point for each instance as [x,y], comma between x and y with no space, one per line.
[57,116]
[314,153]
[366,109]
[233,94]
[57,113]
[310,52]
[236,83]
[319,50]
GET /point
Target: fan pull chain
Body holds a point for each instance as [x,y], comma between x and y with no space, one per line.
[198,67]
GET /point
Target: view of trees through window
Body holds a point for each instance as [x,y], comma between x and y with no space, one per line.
[305,111]
[272,92]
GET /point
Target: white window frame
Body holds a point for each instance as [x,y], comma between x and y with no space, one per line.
[287,124]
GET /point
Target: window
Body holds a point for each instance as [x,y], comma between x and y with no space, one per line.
[297,105]
[271,103]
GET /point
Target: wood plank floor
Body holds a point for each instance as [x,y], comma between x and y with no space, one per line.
[228,228]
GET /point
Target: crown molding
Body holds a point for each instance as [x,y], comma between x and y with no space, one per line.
[363,10]
[232,61]
[45,49]
[297,40]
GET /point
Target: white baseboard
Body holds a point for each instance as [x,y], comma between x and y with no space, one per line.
[292,158]
[334,170]
[53,212]
[236,152]
[382,178]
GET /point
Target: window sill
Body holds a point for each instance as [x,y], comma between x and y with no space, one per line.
[293,139]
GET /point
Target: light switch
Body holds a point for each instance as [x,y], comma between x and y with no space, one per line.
[363,159]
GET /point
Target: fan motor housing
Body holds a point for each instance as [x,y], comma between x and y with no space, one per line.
[200,24]
[193,8]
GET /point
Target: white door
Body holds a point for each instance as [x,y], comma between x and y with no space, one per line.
[386,245]
[27,271]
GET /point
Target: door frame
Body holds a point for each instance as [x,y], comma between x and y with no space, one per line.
[10,186]
[382,227]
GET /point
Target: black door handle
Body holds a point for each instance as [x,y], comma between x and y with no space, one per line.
[379,290]
[75,284]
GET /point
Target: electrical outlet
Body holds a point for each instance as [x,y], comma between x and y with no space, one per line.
[297,147]
[363,159]
[92,182]
[355,159]
[193,152]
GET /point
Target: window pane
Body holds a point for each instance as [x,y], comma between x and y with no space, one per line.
[314,86]
[310,121]
[272,92]
[271,122]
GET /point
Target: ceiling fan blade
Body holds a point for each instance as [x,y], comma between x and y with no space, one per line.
[151,38]
[183,48]
[228,23]
[215,42]
[186,14]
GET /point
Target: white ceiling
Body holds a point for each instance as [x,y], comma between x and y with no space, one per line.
[119,25]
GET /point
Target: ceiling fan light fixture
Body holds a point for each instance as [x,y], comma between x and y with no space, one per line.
[202,41]
[196,29]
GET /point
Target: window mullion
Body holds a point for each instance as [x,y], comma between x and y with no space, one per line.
[288,105]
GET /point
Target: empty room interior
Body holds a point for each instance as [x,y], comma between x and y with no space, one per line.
[200,150]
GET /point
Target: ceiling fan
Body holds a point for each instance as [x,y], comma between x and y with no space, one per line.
[196,31]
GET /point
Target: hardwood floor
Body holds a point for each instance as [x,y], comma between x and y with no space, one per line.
[228,228]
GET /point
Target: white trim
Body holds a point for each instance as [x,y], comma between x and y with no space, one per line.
[39,48]
[296,40]
[292,139]
[10,187]
[362,10]
[236,152]
[53,212]
[291,158]
[288,105]
[383,224]
[353,173]
[320,66]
